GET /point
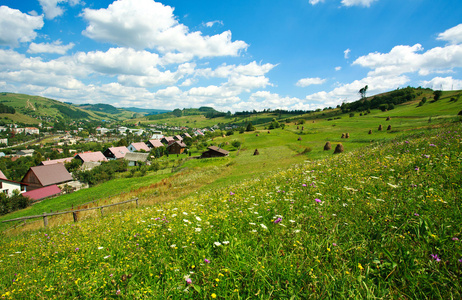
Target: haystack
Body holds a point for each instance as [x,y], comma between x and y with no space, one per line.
[389,127]
[256,152]
[299,138]
[388,118]
[380,127]
[338,148]
[327,146]
[370,131]
[347,135]
[343,135]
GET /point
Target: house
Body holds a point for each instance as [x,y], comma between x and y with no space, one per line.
[8,186]
[176,147]
[186,135]
[42,193]
[31,130]
[198,133]
[56,161]
[134,158]
[4,141]
[178,138]
[91,156]
[89,165]
[167,140]
[154,144]
[2,176]
[26,152]
[40,176]
[214,151]
[116,152]
[138,147]
[157,135]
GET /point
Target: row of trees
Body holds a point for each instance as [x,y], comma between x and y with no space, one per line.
[387,101]
[15,202]
[4,109]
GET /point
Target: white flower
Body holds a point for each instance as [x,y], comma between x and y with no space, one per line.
[172,246]
[186,221]
[185,213]
[106,257]
[392,185]
[263,226]
[198,219]
[174,215]
[226,242]
[252,224]
[217,244]
[99,248]
[291,221]
[296,230]
[198,229]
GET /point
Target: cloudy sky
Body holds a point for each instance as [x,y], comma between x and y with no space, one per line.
[231,55]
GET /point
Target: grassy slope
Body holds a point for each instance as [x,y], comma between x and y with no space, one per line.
[381,222]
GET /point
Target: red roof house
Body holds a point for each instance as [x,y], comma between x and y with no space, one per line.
[116,152]
[42,193]
[41,176]
[91,156]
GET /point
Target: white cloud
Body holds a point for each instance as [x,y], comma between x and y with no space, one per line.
[16,27]
[42,79]
[304,82]
[314,2]
[51,8]
[452,35]
[338,68]
[440,83]
[365,3]
[54,47]
[406,59]
[346,53]
[148,24]
[211,23]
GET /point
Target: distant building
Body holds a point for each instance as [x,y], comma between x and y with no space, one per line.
[167,140]
[157,135]
[4,141]
[31,130]
[134,158]
[116,152]
[138,147]
[26,152]
[56,161]
[43,193]
[154,144]
[176,147]
[91,157]
[8,186]
[214,151]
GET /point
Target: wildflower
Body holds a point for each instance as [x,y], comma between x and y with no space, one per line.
[214,295]
[416,168]
[198,219]
[231,193]
[77,249]
[334,244]
[277,220]
[118,292]
[304,184]
[106,257]
[460,260]
[263,226]
[99,248]
[455,239]
[226,242]
[188,281]
[217,244]
[317,200]
[432,145]
[360,266]
[198,229]
[435,257]
[416,214]
[206,261]
[172,246]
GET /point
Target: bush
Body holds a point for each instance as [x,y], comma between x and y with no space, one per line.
[236,144]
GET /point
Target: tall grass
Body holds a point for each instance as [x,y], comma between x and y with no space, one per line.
[382,222]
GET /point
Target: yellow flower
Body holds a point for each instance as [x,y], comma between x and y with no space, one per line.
[214,295]
[360,266]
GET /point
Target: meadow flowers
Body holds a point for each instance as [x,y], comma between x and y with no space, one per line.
[435,257]
[318,200]
[277,220]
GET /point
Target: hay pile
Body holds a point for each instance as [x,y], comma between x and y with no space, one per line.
[327,146]
[339,148]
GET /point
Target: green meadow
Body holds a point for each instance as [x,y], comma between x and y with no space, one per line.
[379,221]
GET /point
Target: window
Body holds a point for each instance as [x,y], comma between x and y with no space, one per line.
[5,191]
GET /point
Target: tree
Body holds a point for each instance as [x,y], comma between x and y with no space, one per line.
[437,95]
[250,127]
[363,91]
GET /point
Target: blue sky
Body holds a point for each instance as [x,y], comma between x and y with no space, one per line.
[231,55]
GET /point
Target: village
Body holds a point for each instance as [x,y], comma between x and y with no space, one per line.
[52,167]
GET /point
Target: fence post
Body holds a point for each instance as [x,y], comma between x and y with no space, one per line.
[45,220]
[74,214]
[102,214]
[136,202]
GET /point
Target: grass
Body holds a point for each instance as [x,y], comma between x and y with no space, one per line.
[380,222]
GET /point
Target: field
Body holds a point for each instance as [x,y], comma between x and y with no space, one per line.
[379,221]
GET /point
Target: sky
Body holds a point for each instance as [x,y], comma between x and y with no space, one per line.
[230,55]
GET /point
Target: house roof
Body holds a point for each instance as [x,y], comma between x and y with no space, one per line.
[44,192]
[56,161]
[219,150]
[186,135]
[2,176]
[182,145]
[91,156]
[119,152]
[169,138]
[178,137]
[156,143]
[88,165]
[51,174]
[140,146]
[133,156]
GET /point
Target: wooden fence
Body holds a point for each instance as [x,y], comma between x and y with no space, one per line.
[73,212]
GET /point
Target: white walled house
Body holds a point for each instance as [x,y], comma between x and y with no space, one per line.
[8,186]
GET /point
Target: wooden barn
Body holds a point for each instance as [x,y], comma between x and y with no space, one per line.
[214,151]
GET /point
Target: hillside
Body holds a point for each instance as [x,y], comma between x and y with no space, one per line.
[380,222]
[37,107]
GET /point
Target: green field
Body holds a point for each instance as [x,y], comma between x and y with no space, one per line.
[379,221]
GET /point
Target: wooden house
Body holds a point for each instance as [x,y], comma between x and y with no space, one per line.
[214,151]
[176,147]
[40,176]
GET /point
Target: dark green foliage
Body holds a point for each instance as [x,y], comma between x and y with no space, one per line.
[236,144]
[106,171]
[15,202]
[4,109]
[71,113]
[250,127]
[73,165]
[437,95]
[395,97]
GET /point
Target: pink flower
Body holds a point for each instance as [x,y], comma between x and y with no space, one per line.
[206,261]
[277,220]
[317,200]
[188,281]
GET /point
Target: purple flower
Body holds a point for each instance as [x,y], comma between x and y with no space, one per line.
[460,260]
[206,261]
[435,257]
[432,145]
[416,214]
[304,184]
[77,249]
[118,292]
[416,168]
[426,156]
[455,239]
[231,193]
[317,200]
[334,244]
[277,220]
[188,281]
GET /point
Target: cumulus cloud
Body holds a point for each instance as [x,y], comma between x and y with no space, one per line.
[452,35]
[55,47]
[338,68]
[211,23]
[443,83]
[304,82]
[365,3]
[148,24]
[17,27]
[51,8]
[314,2]
[346,53]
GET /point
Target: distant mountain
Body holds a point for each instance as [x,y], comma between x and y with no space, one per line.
[147,111]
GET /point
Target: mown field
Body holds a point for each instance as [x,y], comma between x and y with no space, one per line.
[382,221]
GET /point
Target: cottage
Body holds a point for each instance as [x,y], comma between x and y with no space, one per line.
[138,147]
[8,186]
[157,135]
[134,158]
[116,152]
[186,135]
[154,144]
[26,152]
[56,161]
[40,176]
[178,138]
[42,193]
[214,151]
[91,156]
[31,130]
[176,147]
[167,140]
